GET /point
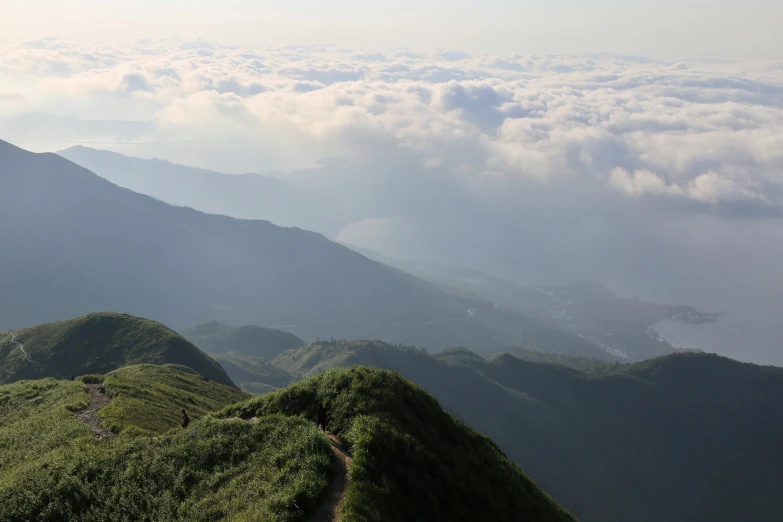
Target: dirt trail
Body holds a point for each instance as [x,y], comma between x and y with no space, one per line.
[20,345]
[332,507]
[90,416]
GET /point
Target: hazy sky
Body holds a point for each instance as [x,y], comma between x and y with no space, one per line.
[637,143]
[721,28]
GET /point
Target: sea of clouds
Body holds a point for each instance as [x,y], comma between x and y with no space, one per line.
[706,131]
[662,178]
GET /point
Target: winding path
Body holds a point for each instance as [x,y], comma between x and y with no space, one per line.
[20,345]
[89,416]
[331,509]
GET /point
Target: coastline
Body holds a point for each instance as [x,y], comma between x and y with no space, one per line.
[660,329]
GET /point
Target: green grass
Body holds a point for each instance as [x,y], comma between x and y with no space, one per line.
[411,459]
[36,419]
[52,469]
[98,343]
[148,399]
[275,470]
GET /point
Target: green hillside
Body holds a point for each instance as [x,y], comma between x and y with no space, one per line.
[683,437]
[53,469]
[148,398]
[37,423]
[250,340]
[97,343]
[411,459]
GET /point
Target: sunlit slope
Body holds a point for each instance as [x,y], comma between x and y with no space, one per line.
[411,459]
[97,343]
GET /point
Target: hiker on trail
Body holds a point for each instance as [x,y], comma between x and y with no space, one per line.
[72,377]
[185,419]
[321,422]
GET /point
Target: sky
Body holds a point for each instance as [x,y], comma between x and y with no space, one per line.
[636,143]
[747,29]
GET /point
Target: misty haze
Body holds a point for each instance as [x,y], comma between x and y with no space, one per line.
[432,261]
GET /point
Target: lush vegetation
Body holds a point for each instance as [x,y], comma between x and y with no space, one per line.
[275,469]
[148,399]
[98,343]
[411,459]
[37,422]
[52,469]
[250,340]
[686,436]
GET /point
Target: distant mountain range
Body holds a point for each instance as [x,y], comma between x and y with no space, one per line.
[246,196]
[621,326]
[75,243]
[687,436]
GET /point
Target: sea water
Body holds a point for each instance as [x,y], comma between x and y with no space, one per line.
[742,337]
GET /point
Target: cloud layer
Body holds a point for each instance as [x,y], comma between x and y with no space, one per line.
[700,131]
[661,179]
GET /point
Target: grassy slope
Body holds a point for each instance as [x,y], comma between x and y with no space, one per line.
[411,459]
[149,398]
[36,419]
[51,468]
[679,428]
[98,343]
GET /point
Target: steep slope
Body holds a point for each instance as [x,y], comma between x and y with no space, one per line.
[250,340]
[411,459]
[683,437]
[97,343]
[52,468]
[247,196]
[75,243]
[148,399]
[408,458]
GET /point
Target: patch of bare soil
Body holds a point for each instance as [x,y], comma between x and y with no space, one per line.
[90,416]
[332,507]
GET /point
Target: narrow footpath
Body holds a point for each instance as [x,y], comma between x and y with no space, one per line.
[90,417]
[20,345]
[332,507]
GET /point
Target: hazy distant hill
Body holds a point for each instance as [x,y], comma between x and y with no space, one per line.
[97,343]
[683,437]
[246,196]
[587,308]
[74,243]
[249,340]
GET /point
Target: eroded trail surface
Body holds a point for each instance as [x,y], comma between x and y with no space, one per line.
[332,507]
[90,416]
[20,345]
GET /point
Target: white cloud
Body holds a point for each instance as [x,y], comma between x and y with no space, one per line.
[691,129]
